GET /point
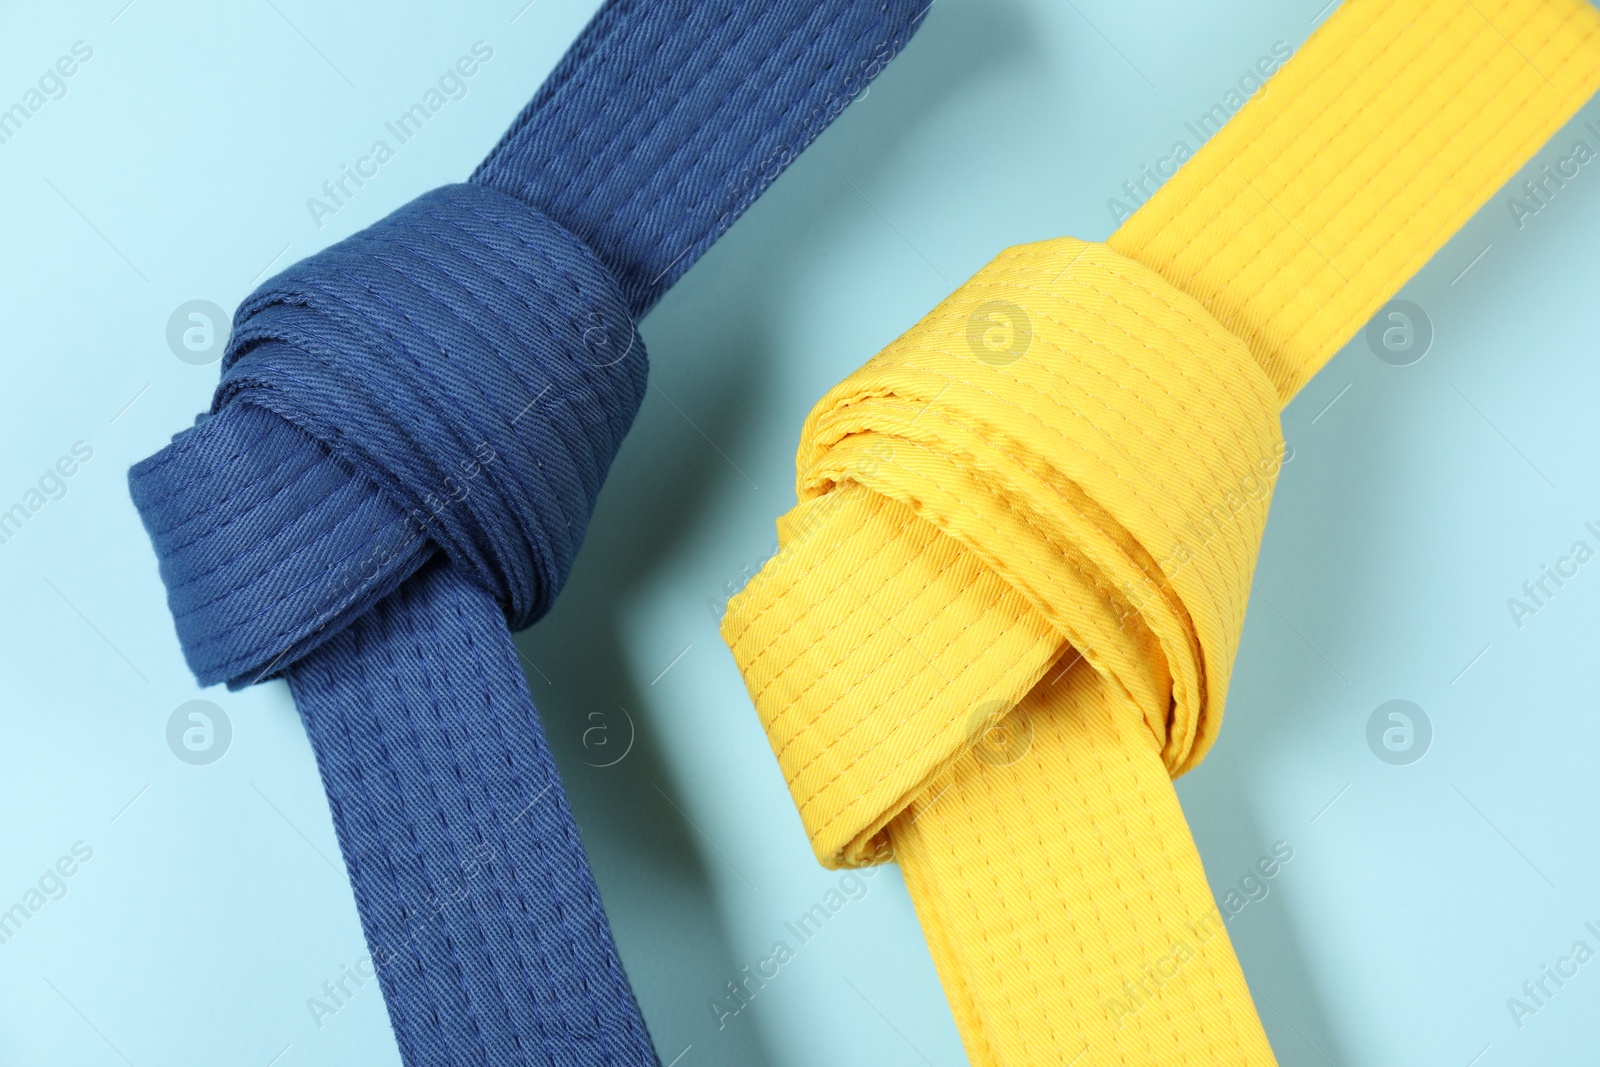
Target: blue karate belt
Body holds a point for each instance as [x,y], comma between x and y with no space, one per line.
[401,459]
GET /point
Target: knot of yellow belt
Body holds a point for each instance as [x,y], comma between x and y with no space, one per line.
[1067,457]
[1069,461]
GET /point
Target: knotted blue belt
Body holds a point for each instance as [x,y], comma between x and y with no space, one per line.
[401,459]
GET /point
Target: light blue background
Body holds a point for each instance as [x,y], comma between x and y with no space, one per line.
[177,167]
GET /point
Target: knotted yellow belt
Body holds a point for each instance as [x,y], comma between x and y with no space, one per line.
[1071,459]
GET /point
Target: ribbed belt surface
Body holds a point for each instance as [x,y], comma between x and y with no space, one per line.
[1005,610]
[402,457]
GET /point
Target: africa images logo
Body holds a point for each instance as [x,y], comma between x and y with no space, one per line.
[199,732]
[451,85]
[1138,190]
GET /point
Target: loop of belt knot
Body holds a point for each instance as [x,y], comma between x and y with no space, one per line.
[1067,457]
[457,376]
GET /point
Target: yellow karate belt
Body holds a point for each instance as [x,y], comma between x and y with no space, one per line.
[1071,459]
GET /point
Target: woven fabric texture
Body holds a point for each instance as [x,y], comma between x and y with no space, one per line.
[1005,610]
[401,460]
